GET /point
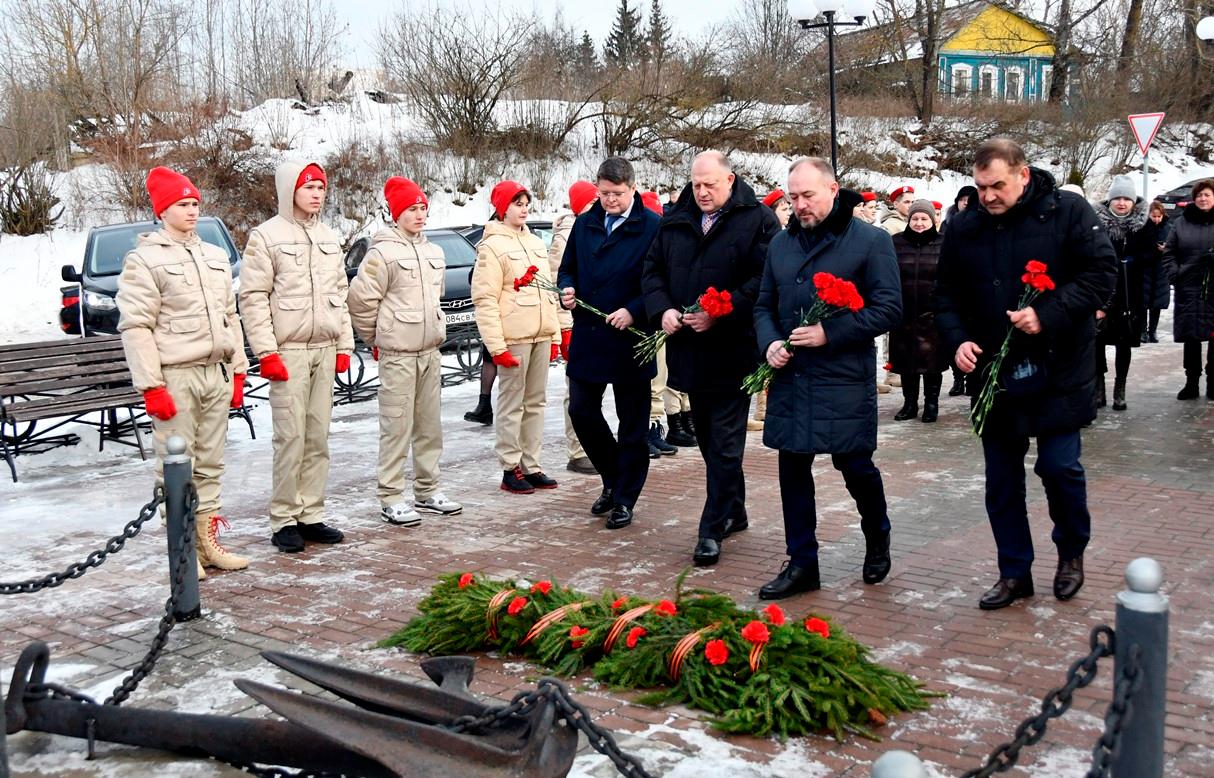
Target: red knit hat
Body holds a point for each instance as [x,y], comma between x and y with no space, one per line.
[312,172]
[773,198]
[581,194]
[166,187]
[904,189]
[651,201]
[503,194]
[402,194]
[868,196]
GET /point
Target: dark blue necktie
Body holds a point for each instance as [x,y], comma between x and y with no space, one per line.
[613,219]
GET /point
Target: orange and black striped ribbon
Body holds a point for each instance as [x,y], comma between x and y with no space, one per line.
[623,621]
[551,618]
[495,605]
[756,653]
[683,648]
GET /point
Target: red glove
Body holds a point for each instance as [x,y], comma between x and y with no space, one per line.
[375,353]
[505,359]
[554,353]
[343,363]
[566,336]
[272,368]
[238,390]
[159,403]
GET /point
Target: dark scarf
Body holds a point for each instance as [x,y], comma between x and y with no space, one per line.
[1119,227]
[1194,215]
[920,239]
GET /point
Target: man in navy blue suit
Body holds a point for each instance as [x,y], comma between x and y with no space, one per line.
[602,265]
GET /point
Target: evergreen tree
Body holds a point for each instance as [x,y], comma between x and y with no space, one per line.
[626,46]
[587,58]
[660,35]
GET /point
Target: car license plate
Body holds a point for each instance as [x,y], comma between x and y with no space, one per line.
[462,317]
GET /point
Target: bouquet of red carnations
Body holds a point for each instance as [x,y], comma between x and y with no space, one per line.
[1035,282]
[835,296]
[715,304]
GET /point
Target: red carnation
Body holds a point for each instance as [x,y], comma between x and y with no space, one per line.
[716,652]
[615,606]
[634,635]
[543,587]
[577,632]
[774,614]
[666,608]
[714,303]
[815,624]
[1033,266]
[465,580]
[1042,283]
[756,632]
[516,605]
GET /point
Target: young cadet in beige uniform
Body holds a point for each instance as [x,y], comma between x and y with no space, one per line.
[582,195]
[293,302]
[519,328]
[184,346]
[394,304]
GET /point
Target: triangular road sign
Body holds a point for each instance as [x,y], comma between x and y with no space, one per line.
[1144,126]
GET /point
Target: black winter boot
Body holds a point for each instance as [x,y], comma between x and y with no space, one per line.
[658,446]
[910,391]
[689,426]
[931,397]
[482,413]
[1101,398]
[1192,387]
[958,387]
[1119,393]
[678,434]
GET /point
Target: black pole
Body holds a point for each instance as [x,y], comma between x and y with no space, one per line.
[179,524]
[3,747]
[834,131]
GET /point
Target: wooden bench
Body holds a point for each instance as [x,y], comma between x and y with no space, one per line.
[70,381]
[64,382]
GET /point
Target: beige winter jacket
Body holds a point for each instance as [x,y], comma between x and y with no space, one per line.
[293,280]
[556,252]
[176,308]
[394,299]
[504,316]
[893,223]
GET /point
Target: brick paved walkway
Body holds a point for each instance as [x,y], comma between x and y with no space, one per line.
[1150,491]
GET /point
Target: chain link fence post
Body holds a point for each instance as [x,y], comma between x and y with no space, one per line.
[1142,620]
[178,473]
[899,764]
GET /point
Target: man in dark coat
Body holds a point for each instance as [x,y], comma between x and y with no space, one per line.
[823,397]
[716,235]
[602,265]
[1048,381]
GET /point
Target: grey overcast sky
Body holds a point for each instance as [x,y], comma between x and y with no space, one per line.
[688,17]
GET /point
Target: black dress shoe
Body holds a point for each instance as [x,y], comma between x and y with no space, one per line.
[1005,592]
[707,552]
[320,533]
[1069,578]
[792,579]
[876,561]
[736,525]
[621,516]
[604,503]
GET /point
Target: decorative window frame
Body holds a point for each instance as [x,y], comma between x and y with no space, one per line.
[993,72]
[961,73]
[1018,72]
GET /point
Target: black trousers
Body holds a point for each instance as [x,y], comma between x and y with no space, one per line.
[720,420]
[797,497]
[1192,358]
[621,459]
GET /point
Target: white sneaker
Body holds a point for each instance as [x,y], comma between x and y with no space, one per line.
[401,515]
[438,504]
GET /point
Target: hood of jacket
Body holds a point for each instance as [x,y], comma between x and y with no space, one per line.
[839,219]
[499,228]
[1195,215]
[686,209]
[1041,185]
[394,234]
[161,238]
[285,176]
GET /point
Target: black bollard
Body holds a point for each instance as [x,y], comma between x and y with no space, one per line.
[3,735]
[1142,620]
[178,472]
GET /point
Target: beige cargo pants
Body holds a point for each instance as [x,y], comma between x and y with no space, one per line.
[409,417]
[575,446]
[521,397]
[664,401]
[301,408]
[202,397]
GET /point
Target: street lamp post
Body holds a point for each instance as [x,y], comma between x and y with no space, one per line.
[804,12]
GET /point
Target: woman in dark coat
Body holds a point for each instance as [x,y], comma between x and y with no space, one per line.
[1120,319]
[1156,292]
[1188,260]
[914,346]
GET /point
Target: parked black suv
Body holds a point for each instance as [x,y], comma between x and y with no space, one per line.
[460,256]
[1176,199]
[94,311]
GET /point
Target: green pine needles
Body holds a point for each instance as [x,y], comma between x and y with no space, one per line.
[756,673]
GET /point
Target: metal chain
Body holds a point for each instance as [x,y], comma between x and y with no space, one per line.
[571,711]
[167,621]
[1081,673]
[1127,683]
[77,569]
